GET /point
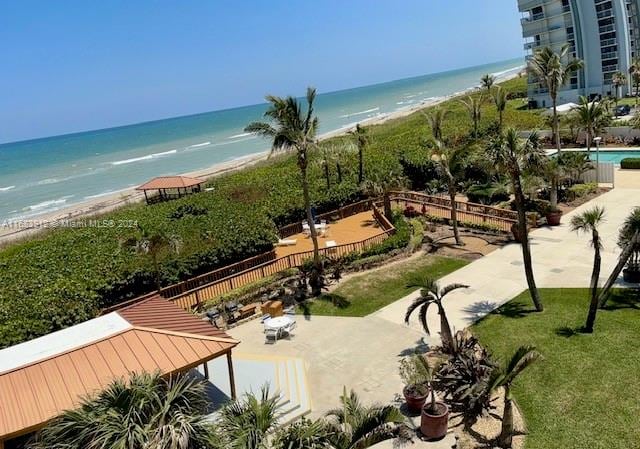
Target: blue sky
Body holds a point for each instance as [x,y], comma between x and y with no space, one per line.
[69,66]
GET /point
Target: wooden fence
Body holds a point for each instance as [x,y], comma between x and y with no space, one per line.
[473,213]
[196,297]
[193,292]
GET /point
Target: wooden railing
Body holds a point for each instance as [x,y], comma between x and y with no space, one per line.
[474,213]
[338,214]
[193,292]
[193,299]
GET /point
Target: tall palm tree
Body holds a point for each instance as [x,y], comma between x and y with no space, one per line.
[362,140]
[553,73]
[451,162]
[432,293]
[618,80]
[292,128]
[436,119]
[504,377]
[634,73]
[588,221]
[146,411]
[513,156]
[473,105]
[248,423]
[356,426]
[152,244]
[382,185]
[500,100]
[487,81]
[593,118]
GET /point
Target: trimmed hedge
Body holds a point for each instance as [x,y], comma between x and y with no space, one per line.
[630,163]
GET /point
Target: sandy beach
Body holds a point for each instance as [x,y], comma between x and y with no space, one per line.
[11,231]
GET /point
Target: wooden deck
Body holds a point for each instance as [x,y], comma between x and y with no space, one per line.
[355,228]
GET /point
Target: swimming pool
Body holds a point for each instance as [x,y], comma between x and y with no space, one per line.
[613,156]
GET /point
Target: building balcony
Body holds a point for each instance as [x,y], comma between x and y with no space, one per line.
[607,28]
[604,14]
[609,55]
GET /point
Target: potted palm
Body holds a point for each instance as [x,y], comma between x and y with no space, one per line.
[416,386]
[434,420]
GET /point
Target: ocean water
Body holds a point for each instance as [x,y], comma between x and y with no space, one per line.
[44,175]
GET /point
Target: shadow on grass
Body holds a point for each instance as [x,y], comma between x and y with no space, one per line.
[338,301]
[568,331]
[623,299]
[515,310]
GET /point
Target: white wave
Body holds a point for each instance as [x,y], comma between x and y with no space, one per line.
[48,181]
[164,153]
[199,145]
[219,144]
[236,136]
[144,158]
[48,204]
[504,72]
[360,112]
[4,189]
[108,192]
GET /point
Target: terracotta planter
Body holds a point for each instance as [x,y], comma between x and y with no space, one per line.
[435,426]
[553,217]
[631,276]
[414,401]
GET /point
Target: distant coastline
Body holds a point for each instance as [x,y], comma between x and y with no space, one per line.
[105,202]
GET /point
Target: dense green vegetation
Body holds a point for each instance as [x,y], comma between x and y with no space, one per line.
[584,393]
[66,275]
[630,163]
[364,294]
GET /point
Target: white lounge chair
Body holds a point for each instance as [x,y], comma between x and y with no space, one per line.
[289,328]
[272,334]
[287,242]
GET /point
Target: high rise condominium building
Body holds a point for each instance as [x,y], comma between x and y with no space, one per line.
[605,34]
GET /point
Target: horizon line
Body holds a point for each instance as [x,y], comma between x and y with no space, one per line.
[145,122]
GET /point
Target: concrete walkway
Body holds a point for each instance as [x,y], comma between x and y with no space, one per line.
[561,258]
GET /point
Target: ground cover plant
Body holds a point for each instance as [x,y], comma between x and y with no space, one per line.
[584,393]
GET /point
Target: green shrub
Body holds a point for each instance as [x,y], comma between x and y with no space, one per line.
[630,163]
[399,240]
[580,190]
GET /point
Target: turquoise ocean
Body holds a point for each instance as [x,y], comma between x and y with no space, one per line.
[44,175]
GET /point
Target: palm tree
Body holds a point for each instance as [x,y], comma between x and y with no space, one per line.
[513,156]
[382,185]
[500,100]
[634,72]
[593,117]
[553,172]
[473,106]
[152,244]
[247,423]
[302,434]
[618,80]
[432,293]
[145,411]
[629,241]
[356,426]
[504,377]
[291,127]
[436,119]
[588,221]
[360,136]
[553,73]
[487,81]
[451,162]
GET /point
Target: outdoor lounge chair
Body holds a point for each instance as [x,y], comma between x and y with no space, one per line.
[272,334]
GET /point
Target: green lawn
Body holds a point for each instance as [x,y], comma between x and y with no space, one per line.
[364,294]
[586,391]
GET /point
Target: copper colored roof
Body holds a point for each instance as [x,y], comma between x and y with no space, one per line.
[170,182]
[159,313]
[34,393]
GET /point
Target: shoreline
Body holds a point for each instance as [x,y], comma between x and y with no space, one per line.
[11,231]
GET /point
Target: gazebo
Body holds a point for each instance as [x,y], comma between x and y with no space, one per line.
[41,378]
[169,188]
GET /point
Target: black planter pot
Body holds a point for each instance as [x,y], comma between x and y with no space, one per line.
[631,276]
